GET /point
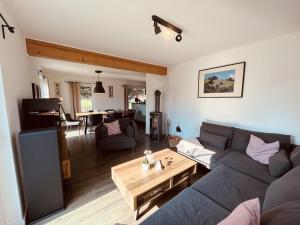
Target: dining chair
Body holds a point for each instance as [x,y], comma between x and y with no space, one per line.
[94,120]
[70,122]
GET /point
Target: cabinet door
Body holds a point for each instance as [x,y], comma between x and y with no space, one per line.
[41,172]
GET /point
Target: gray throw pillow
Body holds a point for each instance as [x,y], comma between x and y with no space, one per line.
[279,164]
[285,214]
[283,190]
[295,156]
[213,139]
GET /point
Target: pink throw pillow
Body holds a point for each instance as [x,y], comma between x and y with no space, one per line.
[113,127]
[246,213]
[260,151]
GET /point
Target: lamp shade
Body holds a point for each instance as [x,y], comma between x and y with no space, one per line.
[99,88]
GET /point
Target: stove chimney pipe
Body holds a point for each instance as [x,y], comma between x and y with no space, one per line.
[157,100]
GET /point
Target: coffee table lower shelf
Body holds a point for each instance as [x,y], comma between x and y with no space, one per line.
[156,192]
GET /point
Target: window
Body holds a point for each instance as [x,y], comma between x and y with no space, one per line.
[86,99]
[43,85]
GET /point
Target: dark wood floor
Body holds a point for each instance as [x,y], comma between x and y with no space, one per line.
[91,185]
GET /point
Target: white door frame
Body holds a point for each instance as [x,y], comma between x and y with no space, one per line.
[9,193]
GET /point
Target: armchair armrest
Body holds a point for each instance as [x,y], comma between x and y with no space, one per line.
[279,163]
[295,156]
[131,130]
[100,131]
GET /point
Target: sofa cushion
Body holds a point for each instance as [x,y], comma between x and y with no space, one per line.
[206,155]
[241,139]
[113,127]
[260,151]
[283,190]
[219,130]
[123,122]
[279,164]
[213,139]
[244,164]
[284,214]
[229,188]
[189,208]
[295,156]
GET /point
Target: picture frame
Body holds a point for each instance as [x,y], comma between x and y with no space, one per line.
[86,91]
[110,91]
[57,90]
[225,81]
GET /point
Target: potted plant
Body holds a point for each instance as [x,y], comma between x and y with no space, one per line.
[148,160]
[146,164]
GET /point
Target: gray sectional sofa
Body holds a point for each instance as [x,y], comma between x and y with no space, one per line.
[235,178]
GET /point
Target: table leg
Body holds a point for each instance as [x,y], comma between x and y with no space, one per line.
[86,121]
[137,214]
[189,181]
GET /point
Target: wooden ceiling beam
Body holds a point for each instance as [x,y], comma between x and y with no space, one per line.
[60,52]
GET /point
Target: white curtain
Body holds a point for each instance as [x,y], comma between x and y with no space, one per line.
[44,84]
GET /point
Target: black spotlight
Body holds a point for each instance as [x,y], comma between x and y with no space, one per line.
[157,20]
[6,25]
[178,38]
[157,29]
[11,29]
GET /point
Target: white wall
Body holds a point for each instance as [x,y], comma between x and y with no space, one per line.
[153,83]
[101,101]
[17,76]
[271,90]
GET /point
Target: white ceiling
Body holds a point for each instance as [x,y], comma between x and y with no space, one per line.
[124,27]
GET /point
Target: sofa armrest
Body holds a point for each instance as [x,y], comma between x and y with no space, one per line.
[279,163]
[295,156]
[100,131]
[131,130]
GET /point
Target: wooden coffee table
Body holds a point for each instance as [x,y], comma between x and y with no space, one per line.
[139,187]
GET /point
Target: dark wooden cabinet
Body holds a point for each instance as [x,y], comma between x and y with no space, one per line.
[41,169]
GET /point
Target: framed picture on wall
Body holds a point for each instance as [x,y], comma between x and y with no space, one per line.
[57,89]
[110,91]
[85,92]
[222,82]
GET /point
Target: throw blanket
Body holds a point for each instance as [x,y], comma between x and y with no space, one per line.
[197,151]
[190,146]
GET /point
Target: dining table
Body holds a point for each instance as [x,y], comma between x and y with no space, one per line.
[85,115]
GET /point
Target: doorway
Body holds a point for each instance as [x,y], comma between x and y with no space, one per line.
[137,102]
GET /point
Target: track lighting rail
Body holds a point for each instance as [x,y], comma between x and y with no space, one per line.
[157,20]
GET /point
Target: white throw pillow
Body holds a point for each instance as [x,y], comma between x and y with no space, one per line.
[260,151]
[113,127]
[247,213]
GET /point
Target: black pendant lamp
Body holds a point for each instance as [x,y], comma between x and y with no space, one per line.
[99,88]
